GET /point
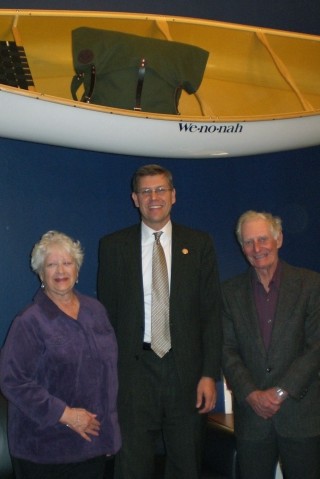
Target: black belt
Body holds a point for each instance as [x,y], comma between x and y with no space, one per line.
[147,347]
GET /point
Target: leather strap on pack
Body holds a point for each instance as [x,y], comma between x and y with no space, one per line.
[141,75]
[78,80]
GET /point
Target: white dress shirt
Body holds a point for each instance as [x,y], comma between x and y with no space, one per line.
[147,241]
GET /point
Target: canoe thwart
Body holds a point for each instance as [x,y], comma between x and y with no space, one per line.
[284,71]
[205,108]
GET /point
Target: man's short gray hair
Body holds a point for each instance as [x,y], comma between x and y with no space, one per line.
[251,215]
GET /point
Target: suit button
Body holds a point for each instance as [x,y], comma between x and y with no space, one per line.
[303,393]
[269,370]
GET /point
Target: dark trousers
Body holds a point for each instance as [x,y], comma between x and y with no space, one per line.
[158,405]
[90,469]
[299,457]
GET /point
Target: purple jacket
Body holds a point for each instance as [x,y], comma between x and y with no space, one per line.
[50,361]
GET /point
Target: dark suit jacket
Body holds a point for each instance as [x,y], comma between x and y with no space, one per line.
[195,302]
[293,359]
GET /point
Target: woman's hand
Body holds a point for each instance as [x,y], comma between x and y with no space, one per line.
[81,421]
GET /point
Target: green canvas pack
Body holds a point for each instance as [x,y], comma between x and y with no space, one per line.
[132,72]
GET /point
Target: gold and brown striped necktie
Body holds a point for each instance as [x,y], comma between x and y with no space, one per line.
[160,328]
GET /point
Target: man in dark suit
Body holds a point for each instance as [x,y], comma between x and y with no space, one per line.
[271,356]
[173,393]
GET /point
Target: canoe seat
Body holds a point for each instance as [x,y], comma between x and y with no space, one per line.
[14,68]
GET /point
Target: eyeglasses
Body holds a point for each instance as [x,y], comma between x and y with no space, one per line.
[160,190]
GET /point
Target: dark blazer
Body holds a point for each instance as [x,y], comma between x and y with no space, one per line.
[195,303]
[293,359]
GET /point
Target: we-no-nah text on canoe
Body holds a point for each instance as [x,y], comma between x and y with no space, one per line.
[212,128]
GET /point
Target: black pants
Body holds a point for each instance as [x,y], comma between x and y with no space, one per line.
[158,405]
[299,457]
[91,469]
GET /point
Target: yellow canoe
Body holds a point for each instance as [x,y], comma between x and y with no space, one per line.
[260,90]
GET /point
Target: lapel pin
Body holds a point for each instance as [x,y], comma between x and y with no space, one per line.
[185,251]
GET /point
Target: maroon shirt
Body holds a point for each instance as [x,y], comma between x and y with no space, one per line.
[266,303]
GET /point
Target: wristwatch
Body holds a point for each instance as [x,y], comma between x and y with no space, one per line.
[281,393]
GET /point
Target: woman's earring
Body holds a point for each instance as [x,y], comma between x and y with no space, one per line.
[42,285]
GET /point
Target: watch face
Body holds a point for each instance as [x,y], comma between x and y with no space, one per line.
[280,393]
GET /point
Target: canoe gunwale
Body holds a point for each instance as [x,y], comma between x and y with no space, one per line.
[155,17]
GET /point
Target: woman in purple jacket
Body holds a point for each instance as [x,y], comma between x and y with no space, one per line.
[58,371]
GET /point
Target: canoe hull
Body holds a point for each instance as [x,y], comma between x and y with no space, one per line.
[37,119]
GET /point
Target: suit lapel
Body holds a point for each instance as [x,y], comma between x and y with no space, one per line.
[131,255]
[178,264]
[289,293]
[247,308]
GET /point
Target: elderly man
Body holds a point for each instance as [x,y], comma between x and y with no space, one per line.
[271,356]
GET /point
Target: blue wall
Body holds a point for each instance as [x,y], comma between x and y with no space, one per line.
[87,194]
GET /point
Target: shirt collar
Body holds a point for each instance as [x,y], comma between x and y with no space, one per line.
[51,309]
[275,278]
[147,232]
